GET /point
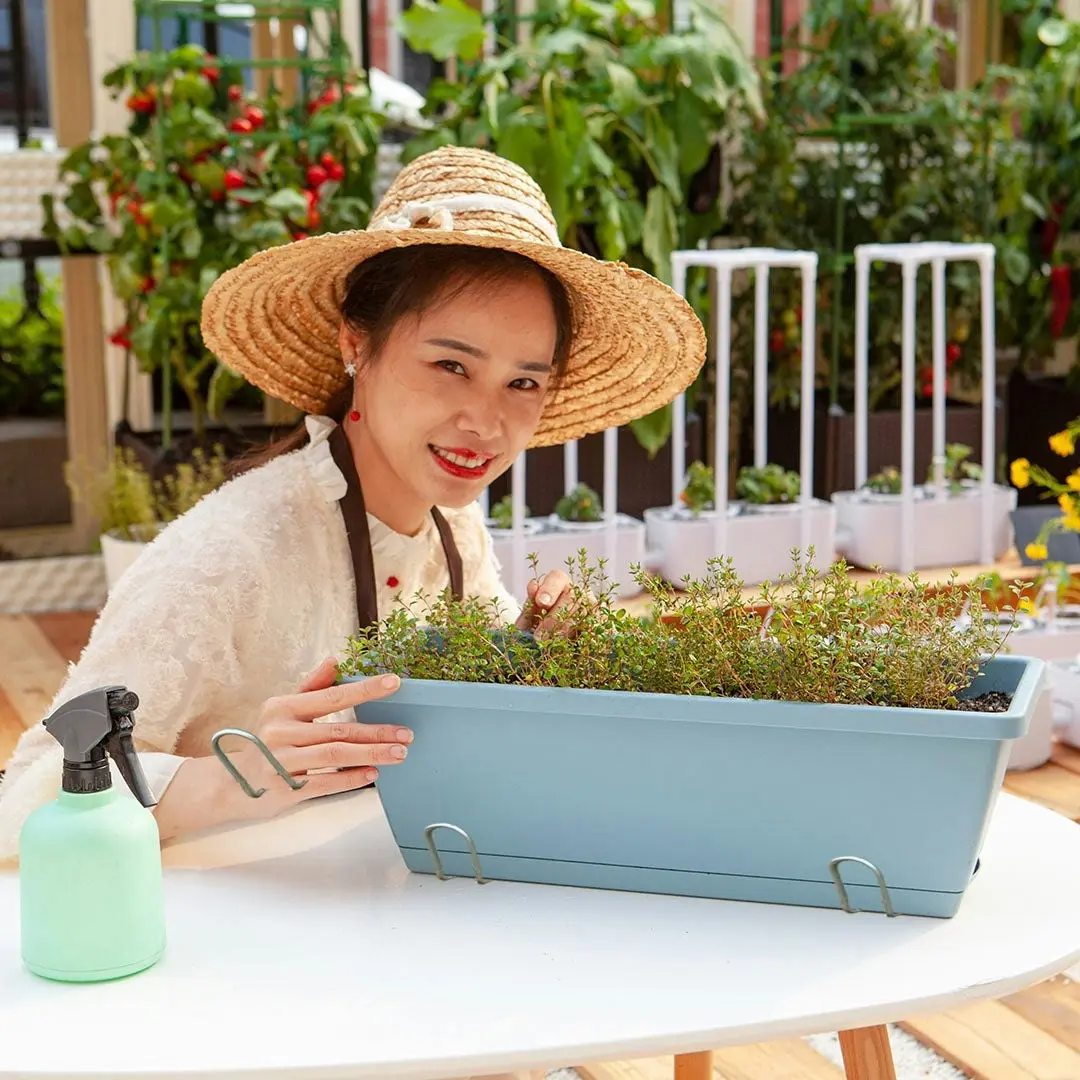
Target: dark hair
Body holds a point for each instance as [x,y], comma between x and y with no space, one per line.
[384,289]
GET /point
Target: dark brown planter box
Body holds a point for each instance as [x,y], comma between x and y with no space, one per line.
[242,437]
[1036,407]
[33,491]
[834,441]
[643,482]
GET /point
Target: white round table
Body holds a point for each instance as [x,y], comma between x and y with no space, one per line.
[334,962]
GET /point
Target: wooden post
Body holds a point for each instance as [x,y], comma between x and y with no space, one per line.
[265,45]
[694,1066]
[867,1054]
[70,107]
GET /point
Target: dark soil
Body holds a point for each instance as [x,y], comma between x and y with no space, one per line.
[994,701]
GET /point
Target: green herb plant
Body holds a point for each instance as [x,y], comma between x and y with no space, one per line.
[700,490]
[886,482]
[891,642]
[502,513]
[581,503]
[957,468]
[770,485]
[130,505]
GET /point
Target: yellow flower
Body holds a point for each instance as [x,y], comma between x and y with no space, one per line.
[1074,480]
[1066,503]
[1026,605]
[1020,472]
[1072,522]
[1036,551]
[1062,444]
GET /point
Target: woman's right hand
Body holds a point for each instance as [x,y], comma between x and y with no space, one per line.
[203,794]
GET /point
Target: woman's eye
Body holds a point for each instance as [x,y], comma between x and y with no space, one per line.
[525,384]
[453,366]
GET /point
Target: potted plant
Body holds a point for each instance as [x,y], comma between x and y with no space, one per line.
[685,537]
[578,524]
[205,175]
[133,507]
[579,510]
[870,717]
[501,518]
[768,488]
[948,521]
[33,434]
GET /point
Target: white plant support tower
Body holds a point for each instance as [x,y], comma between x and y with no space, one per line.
[910,257]
[725,263]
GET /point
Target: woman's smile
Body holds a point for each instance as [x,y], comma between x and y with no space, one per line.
[464,463]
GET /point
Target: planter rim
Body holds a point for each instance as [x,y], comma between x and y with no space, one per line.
[811,716]
[554,523]
[681,514]
[152,530]
[920,492]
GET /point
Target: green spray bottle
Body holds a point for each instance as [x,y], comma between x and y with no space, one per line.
[90,877]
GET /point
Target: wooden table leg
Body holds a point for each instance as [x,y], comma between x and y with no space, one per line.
[694,1066]
[867,1054]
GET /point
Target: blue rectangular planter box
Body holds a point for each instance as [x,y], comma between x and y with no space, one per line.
[707,797]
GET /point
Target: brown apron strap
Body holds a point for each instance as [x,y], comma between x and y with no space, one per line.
[453,556]
[356,528]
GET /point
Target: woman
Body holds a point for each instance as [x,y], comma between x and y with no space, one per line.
[427,351]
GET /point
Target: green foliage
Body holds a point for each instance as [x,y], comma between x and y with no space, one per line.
[31,355]
[770,485]
[619,121]
[580,504]
[892,642]
[886,482]
[699,493]
[204,177]
[502,513]
[957,468]
[133,506]
[855,148]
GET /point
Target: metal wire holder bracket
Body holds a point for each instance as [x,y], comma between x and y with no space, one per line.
[266,753]
[433,849]
[834,871]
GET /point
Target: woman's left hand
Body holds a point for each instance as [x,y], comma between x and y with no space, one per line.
[549,596]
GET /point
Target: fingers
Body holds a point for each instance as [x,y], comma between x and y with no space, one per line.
[551,619]
[550,587]
[548,595]
[340,755]
[303,734]
[311,704]
[336,782]
[322,677]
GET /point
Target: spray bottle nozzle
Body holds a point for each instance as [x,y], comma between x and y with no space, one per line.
[92,725]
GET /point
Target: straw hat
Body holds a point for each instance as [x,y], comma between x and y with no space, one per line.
[637,343]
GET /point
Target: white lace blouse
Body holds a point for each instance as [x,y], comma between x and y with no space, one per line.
[234,602]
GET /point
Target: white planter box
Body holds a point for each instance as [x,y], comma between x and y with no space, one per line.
[556,544]
[119,554]
[948,532]
[759,542]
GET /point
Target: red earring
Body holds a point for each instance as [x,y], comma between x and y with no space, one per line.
[354,416]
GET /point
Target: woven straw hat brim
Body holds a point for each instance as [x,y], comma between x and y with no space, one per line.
[637,343]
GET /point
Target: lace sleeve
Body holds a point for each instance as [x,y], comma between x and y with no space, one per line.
[171,631]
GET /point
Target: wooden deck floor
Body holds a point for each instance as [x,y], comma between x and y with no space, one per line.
[1033,1035]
